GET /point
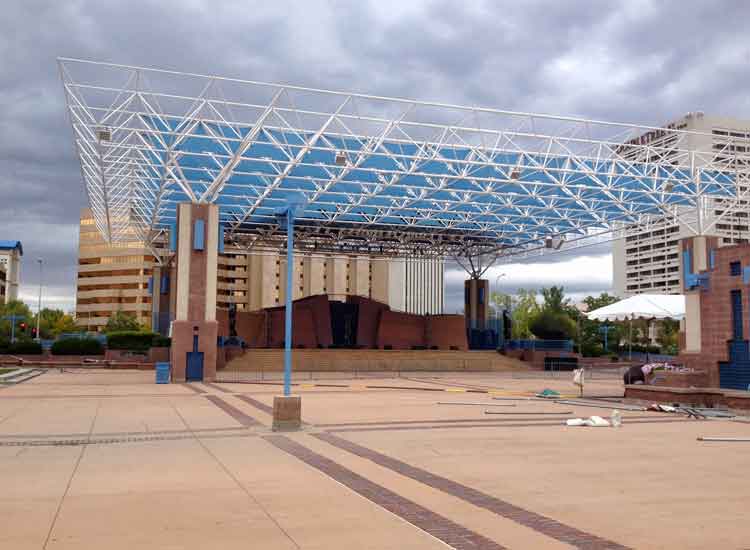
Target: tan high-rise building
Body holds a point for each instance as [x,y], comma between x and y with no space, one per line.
[111,277]
[127,277]
[648,260]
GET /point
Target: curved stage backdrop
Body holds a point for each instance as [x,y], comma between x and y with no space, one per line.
[356,323]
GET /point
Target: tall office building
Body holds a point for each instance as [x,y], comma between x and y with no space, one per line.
[647,259]
[10,259]
[132,278]
[111,277]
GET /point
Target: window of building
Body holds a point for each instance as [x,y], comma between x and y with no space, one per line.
[735,269]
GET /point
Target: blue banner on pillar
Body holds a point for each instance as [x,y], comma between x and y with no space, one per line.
[173,237]
[199,235]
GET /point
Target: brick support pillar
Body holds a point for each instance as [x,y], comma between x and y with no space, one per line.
[697,256]
[195,288]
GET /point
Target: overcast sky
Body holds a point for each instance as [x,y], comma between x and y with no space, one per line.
[634,61]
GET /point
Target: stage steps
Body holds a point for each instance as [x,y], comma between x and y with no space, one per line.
[348,360]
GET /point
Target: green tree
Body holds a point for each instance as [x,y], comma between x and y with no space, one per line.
[121,321]
[21,312]
[556,319]
[48,319]
[66,323]
[591,338]
[524,308]
[668,336]
[554,299]
[553,325]
[17,308]
[500,301]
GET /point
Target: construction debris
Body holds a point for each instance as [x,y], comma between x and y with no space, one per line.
[548,394]
[692,412]
[592,421]
[616,419]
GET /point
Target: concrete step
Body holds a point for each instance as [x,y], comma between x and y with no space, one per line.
[19,375]
[329,360]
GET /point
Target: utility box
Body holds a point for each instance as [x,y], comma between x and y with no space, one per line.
[162,373]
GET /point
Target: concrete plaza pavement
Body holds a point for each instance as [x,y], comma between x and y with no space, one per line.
[94,458]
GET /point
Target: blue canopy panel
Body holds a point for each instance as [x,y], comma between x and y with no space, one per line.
[450,188]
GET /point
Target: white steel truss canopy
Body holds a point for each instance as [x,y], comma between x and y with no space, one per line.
[378,175]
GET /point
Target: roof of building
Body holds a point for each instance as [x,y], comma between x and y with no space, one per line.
[10,245]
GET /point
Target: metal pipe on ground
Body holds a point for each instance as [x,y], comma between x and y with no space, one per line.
[623,406]
[733,439]
[482,404]
[519,399]
[530,413]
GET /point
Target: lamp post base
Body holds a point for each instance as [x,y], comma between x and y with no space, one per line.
[287,413]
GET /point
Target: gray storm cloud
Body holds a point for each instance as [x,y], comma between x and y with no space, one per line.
[636,61]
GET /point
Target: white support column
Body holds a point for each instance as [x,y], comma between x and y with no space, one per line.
[212,256]
[184,246]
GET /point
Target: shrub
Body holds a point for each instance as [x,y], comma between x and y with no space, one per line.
[553,325]
[592,349]
[160,341]
[131,340]
[25,348]
[77,346]
[640,348]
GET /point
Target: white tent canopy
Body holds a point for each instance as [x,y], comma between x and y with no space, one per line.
[642,306]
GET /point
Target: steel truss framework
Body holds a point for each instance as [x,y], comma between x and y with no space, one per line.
[379,175]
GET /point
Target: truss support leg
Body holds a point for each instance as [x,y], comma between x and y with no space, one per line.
[288,303]
[476,303]
[287,408]
[195,329]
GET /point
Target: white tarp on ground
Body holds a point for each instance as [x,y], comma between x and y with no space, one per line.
[642,306]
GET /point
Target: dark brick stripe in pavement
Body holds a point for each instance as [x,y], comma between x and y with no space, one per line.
[195,388]
[217,387]
[537,522]
[232,411]
[436,525]
[257,404]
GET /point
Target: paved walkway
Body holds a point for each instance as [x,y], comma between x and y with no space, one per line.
[92,459]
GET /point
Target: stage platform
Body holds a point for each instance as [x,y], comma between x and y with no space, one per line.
[696,397]
[367,360]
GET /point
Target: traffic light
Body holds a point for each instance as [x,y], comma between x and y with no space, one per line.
[33,332]
[23,326]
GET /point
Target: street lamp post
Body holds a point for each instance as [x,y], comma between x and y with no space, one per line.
[39,304]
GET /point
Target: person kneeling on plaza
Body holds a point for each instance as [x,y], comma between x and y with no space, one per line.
[638,374]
